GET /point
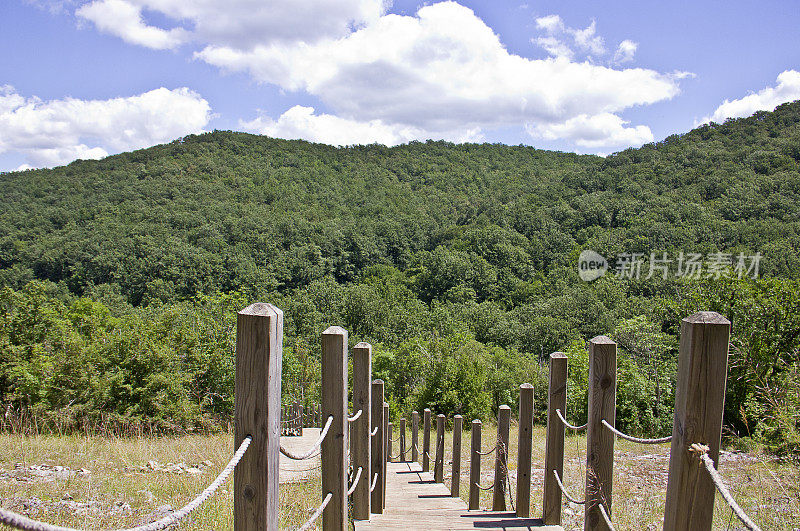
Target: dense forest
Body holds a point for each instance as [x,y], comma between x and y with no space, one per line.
[458,262]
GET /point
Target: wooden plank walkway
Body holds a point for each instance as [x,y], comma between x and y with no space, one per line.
[414,501]
[289,470]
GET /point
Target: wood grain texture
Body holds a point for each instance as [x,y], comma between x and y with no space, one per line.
[501,461]
[455,475]
[402,439]
[414,436]
[438,466]
[257,408]
[699,404]
[554,440]
[334,449]
[360,447]
[525,450]
[426,440]
[378,447]
[599,439]
[390,441]
[475,465]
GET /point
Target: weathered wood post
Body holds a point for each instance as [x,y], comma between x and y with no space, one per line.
[554,440]
[426,440]
[501,461]
[475,466]
[298,418]
[386,452]
[334,404]
[438,466]
[378,447]
[699,403]
[360,447]
[524,450]
[403,440]
[414,436]
[455,474]
[599,439]
[390,442]
[259,358]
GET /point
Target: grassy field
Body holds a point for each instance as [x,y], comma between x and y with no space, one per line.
[100,482]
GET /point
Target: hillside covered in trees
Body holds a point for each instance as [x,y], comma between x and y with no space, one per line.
[121,277]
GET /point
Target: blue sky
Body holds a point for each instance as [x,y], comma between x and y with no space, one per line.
[88,78]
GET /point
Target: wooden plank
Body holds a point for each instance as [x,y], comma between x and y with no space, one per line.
[259,353]
[426,440]
[402,439]
[501,461]
[334,404]
[360,447]
[699,404]
[414,436]
[554,441]
[475,466]
[378,447]
[438,467]
[599,439]
[390,441]
[455,475]
[525,449]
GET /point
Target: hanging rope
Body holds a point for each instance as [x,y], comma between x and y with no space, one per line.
[568,425]
[487,452]
[21,522]
[564,491]
[355,482]
[605,517]
[634,439]
[310,452]
[306,526]
[374,482]
[374,431]
[701,452]
[356,416]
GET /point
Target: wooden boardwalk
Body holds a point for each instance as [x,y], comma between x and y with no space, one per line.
[290,470]
[414,501]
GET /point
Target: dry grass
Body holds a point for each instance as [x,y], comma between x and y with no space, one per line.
[118,492]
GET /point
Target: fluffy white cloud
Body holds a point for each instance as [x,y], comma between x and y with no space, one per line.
[594,131]
[558,37]
[300,122]
[124,19]
[787,89]
[625,51]
[55,132]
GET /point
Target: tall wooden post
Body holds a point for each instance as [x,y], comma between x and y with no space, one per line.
[298,419]
[426,440]
[360,447]
[475,466]
[554,440]
[403,440]
[501,462]
[599,439]
[334,404]
[524,450]
[414,436]
[378,447]
[438,467]
[699,403]
[259,358]
[390,442]
[386,452]
[455,475]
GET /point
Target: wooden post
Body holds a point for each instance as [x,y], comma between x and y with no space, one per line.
[414,436]
[475,466]
[501,462]
[438,466]
[334,403]
[359,430]
[378,447]
[259,359]
[699,403]
[455,476]
[524,450]
[390,442]
[386,452]
[298,416]
[554,440]
[599,439]
[403,440]
[426,440]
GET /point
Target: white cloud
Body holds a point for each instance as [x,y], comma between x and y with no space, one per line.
[551,24]
[55,132]
[588,40]
[558,38]
[594,131]
[625,51]
[124,19]
[300,122]
[787,89]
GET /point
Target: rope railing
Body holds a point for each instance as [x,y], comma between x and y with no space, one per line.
[701,452]
[568,425]
[314,448]
[482,487]
[355,481]
[374,482]
[19,521]
[374,432]
[605,516]
[564,491]
[489,451]
[307,525]
[634,439]
[356,416]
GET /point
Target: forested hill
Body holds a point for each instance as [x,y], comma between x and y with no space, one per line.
[424,241]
